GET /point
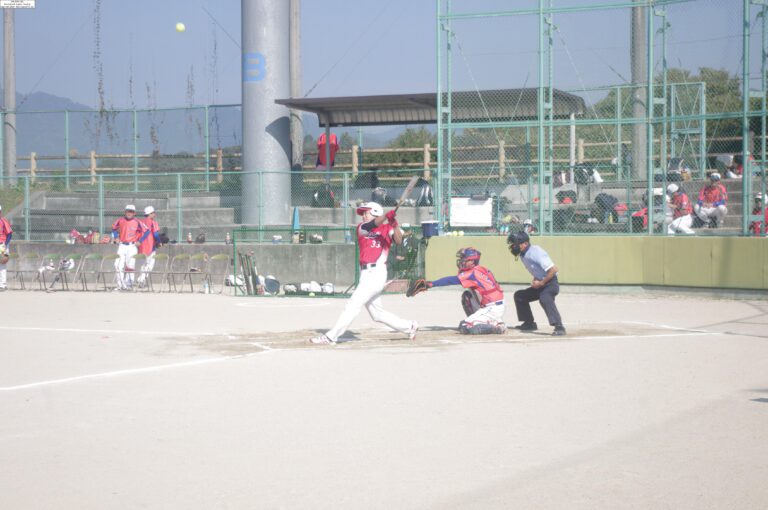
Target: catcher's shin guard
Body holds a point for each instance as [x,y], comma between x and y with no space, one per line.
[480,328]
[470,302]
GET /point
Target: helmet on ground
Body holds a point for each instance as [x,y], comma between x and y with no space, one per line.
[467,258]
[373,207]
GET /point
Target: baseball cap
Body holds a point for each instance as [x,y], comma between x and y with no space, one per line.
[672,188]
[528,222]
[714,176]
[130,207]
[375,209]
[148,210]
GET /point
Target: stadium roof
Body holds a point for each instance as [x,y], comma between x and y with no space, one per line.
[496,105]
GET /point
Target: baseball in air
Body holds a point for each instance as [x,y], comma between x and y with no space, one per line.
[180,27]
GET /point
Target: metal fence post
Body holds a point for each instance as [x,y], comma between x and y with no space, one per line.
[2,149]
[345,206]
[179,212]
[66,149]
[135,152]
[207,152]
[26,208]
[261,205]
[101,204]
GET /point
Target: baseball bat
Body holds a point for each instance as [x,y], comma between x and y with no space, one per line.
[407,191]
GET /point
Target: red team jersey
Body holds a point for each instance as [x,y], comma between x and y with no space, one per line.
[682,205]
[128,231]
[482,279]
[716,195]
[374,243]
[5,230]
[147,246]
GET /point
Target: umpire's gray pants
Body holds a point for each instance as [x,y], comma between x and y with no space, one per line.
[544,295]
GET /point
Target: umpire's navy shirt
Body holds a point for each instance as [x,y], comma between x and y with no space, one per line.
[537,262]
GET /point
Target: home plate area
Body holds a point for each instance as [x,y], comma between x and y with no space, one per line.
[428,336]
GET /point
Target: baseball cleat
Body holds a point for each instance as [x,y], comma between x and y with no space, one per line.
[559,331]
[501,328]
[322,339]
[413,330]
[527,326]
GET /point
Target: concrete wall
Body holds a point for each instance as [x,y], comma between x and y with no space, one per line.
[288,263]
[713,262]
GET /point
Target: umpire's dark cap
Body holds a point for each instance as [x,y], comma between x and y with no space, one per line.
[521,237]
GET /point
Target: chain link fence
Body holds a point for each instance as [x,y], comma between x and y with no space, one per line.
[528,122]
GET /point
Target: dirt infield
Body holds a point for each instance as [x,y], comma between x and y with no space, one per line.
[653,400]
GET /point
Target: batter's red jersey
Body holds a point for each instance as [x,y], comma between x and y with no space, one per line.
[147,246]
[682,205]
[374,242]
[5,230]
[481,279]
[128,231]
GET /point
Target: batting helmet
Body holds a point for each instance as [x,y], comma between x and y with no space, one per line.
[375,209]
[467,258]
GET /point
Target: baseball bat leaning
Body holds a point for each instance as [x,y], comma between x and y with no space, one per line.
[407,191]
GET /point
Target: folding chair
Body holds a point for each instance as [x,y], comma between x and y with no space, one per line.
[63,275]
[159,271]
[49,265]
[89,270]
[139,260]
[107,267]
[27,266]
[219,268]
[179,268]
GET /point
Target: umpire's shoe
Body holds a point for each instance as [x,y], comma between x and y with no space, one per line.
[527,326]
[559,331]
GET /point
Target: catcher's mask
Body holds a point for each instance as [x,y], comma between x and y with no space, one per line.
[467,258]
[515,240]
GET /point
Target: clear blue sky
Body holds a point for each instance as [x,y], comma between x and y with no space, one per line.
[381,47]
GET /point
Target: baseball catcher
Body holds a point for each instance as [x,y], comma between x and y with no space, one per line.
[483,299]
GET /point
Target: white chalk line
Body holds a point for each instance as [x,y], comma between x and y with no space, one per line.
[266,348]
[110,331]
[260,303]
[129,371]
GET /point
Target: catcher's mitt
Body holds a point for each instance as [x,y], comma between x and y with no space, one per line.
[416,286]
[4,258]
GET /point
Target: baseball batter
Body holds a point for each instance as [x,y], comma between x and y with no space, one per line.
[150,242]
[5,242]
[374,237]
[483,301]
[129,232]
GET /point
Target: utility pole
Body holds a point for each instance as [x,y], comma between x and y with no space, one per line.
[639,62]
[9,93]
[297,127]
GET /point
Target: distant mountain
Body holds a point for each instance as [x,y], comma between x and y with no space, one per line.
[168,131]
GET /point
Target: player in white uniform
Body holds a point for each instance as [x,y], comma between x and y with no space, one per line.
[374,238]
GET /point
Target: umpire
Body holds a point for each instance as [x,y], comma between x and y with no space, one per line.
[544,286]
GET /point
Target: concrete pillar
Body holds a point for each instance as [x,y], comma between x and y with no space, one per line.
[9,92]
[266,125]
[639,65]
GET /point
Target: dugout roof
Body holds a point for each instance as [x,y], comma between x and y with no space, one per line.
[496,105]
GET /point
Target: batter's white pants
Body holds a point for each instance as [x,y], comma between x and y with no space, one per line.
[681,224]
[705,213]
[147,267]
[368,294]
[124,265]
[490,314]
[3,276]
